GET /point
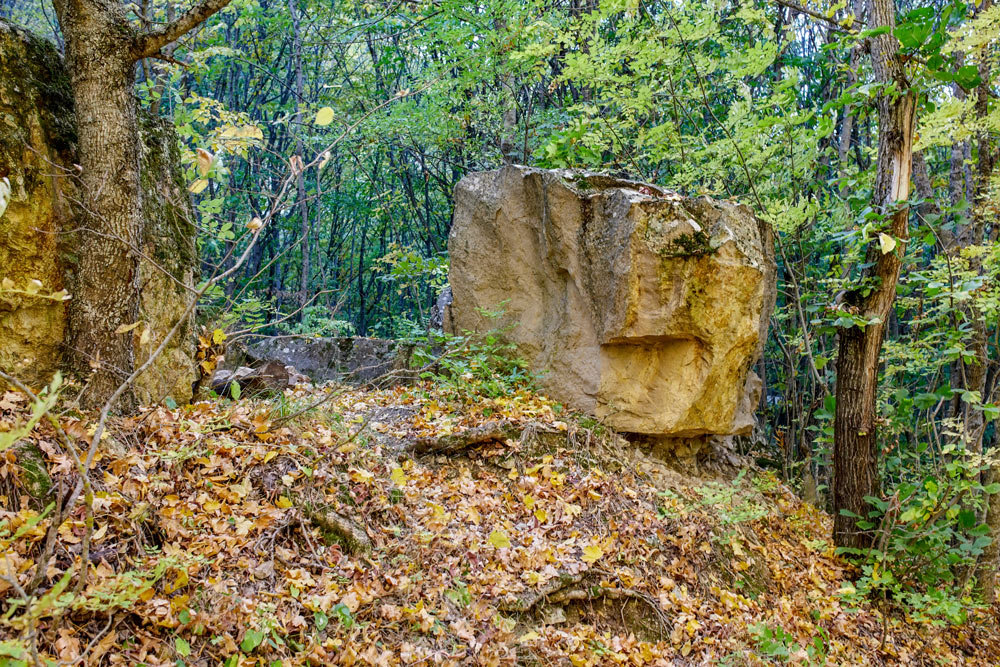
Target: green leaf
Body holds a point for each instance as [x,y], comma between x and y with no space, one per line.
[343,613]
[968,77]
[321,620]
[913,34]
[251,640]
[235,391]
[182,647]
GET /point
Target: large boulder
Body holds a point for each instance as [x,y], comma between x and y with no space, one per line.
[640,306]
[37,257]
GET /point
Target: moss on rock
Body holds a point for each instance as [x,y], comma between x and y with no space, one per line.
[37,155]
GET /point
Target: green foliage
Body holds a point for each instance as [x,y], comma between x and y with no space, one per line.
[775,643]
[319,321]
[928,536]
[474,364]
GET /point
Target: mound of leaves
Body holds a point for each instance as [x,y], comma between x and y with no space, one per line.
[410,526]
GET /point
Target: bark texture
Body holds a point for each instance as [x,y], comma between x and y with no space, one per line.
[102,48]
[37,239]
[855,451]
[101,70]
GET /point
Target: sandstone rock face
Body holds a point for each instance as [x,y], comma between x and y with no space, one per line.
[642,307]
[37,155]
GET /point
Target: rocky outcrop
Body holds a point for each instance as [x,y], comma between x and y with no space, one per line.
[37,156]
[354,360]
[642,307]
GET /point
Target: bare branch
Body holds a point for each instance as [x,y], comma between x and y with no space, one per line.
[148,44]
[830,22]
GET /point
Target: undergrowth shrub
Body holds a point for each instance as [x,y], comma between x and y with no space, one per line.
[928,535]
[473,364]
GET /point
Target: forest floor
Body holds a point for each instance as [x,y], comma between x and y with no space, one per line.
[321,527]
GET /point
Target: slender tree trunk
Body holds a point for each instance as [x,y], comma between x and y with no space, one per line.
[847,126]
[300,182]
[977,372]
[855,451]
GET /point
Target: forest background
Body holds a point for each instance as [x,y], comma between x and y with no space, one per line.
[772,103]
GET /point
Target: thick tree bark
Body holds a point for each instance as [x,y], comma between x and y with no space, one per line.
[855,451]
[102,49]
[106,295]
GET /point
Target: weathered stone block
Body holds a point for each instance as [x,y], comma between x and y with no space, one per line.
[635,304]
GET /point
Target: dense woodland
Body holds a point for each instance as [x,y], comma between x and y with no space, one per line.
[322,142]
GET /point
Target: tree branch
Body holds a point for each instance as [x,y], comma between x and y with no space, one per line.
[148,44]
[830,22]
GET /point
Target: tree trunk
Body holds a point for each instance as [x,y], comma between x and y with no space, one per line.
[102,48]
[847,126]
[300,183]
[855,451]
[102,70]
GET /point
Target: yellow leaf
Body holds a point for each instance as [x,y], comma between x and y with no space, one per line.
[218,336]
[125,328]
[255,224]
[886,243]
[204,159]
[198,186]
[398,477]
[499,539]
[324,116]
[541,515]
[361,476]
[180,581]
[592,554]
[528,637]
[284,503]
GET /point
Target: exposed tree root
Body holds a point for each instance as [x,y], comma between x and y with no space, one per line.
[456,442]
[352,535]
[531,598]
